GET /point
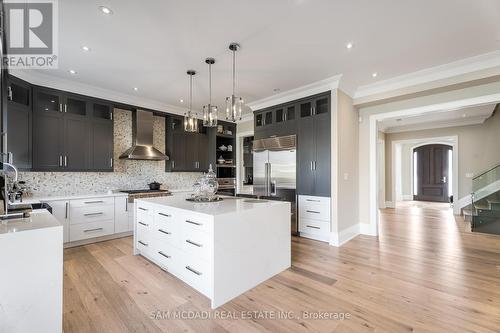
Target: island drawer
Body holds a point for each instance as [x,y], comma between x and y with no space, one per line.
[314,227]
[195,223]
[196,273]
[91,230]
[196,243]
[92,202]
[91,213]
[166,234]
[167,257]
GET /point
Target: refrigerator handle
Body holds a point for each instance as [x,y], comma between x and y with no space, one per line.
[273,188]
[267,173]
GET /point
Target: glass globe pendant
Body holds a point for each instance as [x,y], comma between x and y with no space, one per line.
[234,104]
[209,110]
[190,118]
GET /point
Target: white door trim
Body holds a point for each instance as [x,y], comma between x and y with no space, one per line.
[239,157]
[373,137]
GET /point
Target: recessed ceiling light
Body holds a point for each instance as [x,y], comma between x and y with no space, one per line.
[464,115]
[276,89]
[399,119]
[105,10]
[181,100]
[136,89]
[375,74]
[349,45]
[72,71]
[85,48]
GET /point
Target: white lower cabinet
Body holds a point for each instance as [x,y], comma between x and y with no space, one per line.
[84,219]
[178,242]
[314,217]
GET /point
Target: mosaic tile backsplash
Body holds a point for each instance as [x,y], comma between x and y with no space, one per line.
[127,174]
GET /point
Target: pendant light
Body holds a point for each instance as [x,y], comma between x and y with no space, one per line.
[190,120]
[234,104]
[209,110]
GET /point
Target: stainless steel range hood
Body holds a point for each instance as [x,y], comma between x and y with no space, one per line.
[142,136]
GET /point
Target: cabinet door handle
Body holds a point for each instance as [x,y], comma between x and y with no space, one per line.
[163,254]
[193,271]
[126,204]
[111,162]
[312,166]
[144,224]
[311,200]
[163,214]
[65,161]
[60,107]
[66,210]
[90,230]
[142,243]
[144,209]
[313,227]
[193,243]
[93,202]
[173,164]
[93,214]
[195,223]
[60,160]
[164,232]
[313,211]
[65,108]
[9,89]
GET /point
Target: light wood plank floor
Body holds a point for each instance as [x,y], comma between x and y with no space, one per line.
[425,273]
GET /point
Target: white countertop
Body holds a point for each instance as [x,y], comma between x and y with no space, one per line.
[226,206]
[40,218]
[45,198]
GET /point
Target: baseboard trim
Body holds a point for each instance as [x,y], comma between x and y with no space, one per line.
[342,237]
[407,197]
[390,204]
[366,229]
[97,239]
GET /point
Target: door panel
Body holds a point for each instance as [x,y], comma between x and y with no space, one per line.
[306,154]
[322,144]
[259,172]
[77,141]
[19,135]
[283,169]
[203,152]
[47,140]
[432,173]
[102,145]
[191,151]
[178,157]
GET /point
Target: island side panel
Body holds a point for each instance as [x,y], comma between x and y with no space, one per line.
[249,247]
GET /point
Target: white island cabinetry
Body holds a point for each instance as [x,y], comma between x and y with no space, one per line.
[220,249]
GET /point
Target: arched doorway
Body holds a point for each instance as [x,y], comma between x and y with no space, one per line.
[432,173]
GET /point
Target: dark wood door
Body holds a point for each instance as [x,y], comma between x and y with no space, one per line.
[203,153]
[432,162]
[178,152]
[322,171]
[76,144]
[48,141]
[306,155]
[19,122]
[102,145]
[191,151]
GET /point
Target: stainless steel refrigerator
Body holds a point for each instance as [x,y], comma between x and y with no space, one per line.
[274,170]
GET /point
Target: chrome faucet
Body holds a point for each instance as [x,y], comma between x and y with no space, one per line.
[7,192]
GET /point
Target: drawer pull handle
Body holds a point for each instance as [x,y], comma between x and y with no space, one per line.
[193,271]
[165,232]
[90,230]
[93,214]
[144,224]
[93,202]
[163,214]
[195,223]
[193,243]
[142,243]
[313,227]
[164,255]
[313,211]
[144,209]
[311,200]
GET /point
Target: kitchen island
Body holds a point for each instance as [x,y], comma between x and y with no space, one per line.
[221,249]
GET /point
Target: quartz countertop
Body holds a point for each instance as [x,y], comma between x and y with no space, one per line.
[45,198]
[228,205]
[39,219]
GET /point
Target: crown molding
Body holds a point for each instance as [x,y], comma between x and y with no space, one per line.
[330,83]
[438,124]
[469,69]
[54,82]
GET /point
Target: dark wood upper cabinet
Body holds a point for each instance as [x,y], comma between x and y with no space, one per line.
[19,123]
[102,146]
[76,145]
[48,141]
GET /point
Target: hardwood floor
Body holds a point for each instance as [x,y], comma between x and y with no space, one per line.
[425,273]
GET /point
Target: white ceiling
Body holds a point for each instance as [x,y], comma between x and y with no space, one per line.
[461,117]
[285,43]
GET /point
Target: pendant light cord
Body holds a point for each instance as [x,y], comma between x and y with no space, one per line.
[190,93]
[209,85]
[234,75]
